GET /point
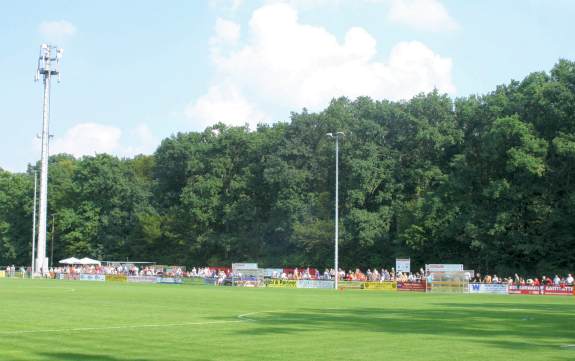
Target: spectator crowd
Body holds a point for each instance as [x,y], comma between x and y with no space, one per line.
[223,273]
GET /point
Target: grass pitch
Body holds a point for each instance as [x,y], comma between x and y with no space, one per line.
[84,321]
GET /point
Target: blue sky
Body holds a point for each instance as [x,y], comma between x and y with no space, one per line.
[135,72]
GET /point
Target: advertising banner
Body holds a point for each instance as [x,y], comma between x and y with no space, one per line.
[270,272]
[444,267]
[499,289]
[142,279]
[253,266]
[211,281]
[524,290]
[411,286]
[380,286]
[91,277]
[403,265]
[282,284]
[350,284]
[169,280]
[68,276]
[2,274]
[315,284]
[116,278]
[557,290]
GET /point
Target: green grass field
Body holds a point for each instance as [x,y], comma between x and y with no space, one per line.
[73,320]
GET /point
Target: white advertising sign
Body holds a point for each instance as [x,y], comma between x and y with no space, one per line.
[244,266]
[314,284]
[444,267]
[403,265]
[488,288]
[91,277]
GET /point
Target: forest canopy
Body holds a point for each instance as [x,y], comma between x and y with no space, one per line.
[482,180]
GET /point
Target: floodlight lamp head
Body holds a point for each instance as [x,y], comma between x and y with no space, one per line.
[340,133]
[329,134]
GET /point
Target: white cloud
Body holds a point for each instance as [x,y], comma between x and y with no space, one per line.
[87,139]
[145,141]
[226,31]
[92,138]
[309,4]
[428,15]
[56,31]
[284,64]
[230,5]
[223,103]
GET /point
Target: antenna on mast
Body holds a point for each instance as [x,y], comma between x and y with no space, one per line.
[48,65]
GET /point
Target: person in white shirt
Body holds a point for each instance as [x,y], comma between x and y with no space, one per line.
[569,280]
[556,280]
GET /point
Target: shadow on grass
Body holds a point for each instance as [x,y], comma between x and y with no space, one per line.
[74,356]
[503,325]
[70,356]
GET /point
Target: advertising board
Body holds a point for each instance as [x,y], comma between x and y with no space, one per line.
[142,279]
[2,274]
[315,284]
[524,290]
[211,281]
[411,286]
[116,278]
[244,266]
[380,286]
[282,284]
[68,276]
[169,280]
[91,277]
[493,288]
[557,290]
[403,265]
[443,267]
[350,284]
[271,272]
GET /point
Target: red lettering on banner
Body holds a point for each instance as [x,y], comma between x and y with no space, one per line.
[411,286]
[558,290]
[542,290]
[524,290]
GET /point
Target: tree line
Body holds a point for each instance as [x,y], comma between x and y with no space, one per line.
[482,180]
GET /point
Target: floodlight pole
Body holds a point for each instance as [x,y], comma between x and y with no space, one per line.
[48,65]
[34,222]
[336,256]
[52,243]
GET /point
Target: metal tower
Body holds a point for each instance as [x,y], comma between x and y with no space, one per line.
[336,256]
[48,65]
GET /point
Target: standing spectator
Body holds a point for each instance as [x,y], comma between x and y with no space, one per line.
[556,280]
[569,280]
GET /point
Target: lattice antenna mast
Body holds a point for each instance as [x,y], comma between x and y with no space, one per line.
[48,65]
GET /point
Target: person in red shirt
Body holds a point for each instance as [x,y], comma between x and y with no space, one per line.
[536,282]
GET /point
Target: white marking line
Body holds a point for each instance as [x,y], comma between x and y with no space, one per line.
[244,317]
[19,332]
[69,289]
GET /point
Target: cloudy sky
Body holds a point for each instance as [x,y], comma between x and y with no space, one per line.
[135,72]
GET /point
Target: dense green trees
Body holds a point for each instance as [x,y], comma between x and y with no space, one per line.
[484,180]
